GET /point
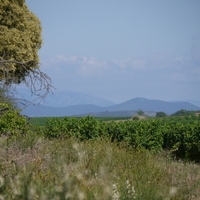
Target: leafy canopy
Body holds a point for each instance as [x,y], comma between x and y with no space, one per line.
[20,40]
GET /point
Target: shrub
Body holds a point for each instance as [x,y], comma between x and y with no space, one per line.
[11,122]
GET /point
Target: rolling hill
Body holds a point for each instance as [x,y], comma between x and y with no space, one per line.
[153,105]
[128,108]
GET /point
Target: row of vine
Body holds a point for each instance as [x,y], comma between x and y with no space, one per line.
[183,140]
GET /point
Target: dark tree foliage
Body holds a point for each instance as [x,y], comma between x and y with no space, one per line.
[161,114]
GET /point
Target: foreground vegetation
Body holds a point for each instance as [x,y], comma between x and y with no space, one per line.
[85,158]
[33,167]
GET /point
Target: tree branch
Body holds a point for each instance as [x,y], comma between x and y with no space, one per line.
[38,81]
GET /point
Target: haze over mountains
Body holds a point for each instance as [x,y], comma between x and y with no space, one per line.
[79,104]
[67,98]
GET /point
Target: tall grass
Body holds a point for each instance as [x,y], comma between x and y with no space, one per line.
[32,167]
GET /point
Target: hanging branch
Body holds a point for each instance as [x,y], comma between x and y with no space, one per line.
[39,82]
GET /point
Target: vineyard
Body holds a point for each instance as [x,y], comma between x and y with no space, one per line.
[89,158]
[180,136]
[182,139]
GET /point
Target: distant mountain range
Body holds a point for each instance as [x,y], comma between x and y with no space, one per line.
[66,98]
[128,108]
[153,105]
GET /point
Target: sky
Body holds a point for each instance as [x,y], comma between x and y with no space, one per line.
[122,49]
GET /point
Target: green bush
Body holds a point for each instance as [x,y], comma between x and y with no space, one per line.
[83,128]
[11,122]
[144,134]
[183,140]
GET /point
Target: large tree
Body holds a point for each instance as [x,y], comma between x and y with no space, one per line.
[20,40]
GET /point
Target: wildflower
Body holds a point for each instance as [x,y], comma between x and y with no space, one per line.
[116,194]
[130,190]
[128,185]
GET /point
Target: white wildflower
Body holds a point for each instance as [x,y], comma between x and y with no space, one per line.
[128,185]
[116,194]
[130,190]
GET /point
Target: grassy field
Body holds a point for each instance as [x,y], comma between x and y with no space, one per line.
[32,167]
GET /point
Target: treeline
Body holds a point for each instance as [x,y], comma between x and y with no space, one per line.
[183,112]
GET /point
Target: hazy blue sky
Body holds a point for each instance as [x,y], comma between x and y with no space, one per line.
[121,49]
